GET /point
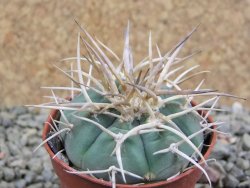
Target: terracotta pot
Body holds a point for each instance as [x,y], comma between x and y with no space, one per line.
[187,179]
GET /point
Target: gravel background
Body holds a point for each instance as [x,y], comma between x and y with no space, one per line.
[20,133]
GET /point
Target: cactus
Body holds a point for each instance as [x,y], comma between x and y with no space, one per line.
[89,147]
[131,123]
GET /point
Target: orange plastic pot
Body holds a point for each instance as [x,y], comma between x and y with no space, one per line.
[187,179]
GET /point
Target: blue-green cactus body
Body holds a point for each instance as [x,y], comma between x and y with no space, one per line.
[89,148]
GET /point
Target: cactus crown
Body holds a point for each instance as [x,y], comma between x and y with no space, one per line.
[131,123]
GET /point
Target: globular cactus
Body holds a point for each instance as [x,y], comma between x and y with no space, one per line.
[90,146]
[131,123]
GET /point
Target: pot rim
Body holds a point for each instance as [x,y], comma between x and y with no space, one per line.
[47,128]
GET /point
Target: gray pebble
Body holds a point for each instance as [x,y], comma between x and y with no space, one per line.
[41,153]
[23,172]
[221,151]
[229,166]
[41,119]
[232,158]
[55,186]
[48,184]
[4,149]
[18,174]
[26,123]
[2,131]
[243,154]
[47,174]
[35,185]
[4,184]
[2,163]
[18,163]
[22,123]
[218,167]
[30,133]
[222,162]
[19,110]
[244,184]
[24,141]
[13,134]
[246,142]
[201,186]
[1,173]
[8,174]
[39,178]
[20,183]
[243,163]
[230,181]
[237,172]
[27,152]
[25,117]
[7,119]
[33,141]
[222,117]
[247,172]
[220,183]
[213,174]
[46,165]
[29,177]
[13,148]
[55,178]
[35,165]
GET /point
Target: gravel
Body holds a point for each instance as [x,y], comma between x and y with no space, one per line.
[21,129]
[232,152]
[20,133]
